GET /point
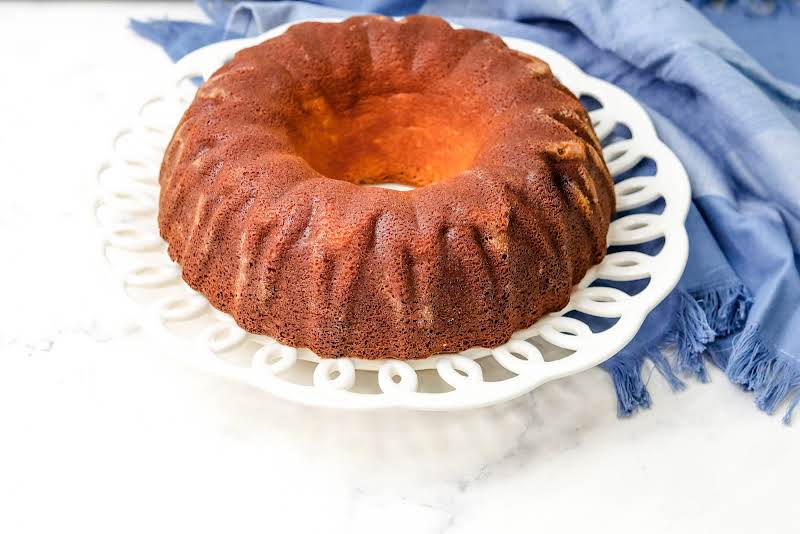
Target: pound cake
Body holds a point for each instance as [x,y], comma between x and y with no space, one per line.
[265,199]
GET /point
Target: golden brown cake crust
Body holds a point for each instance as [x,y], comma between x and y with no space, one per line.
[262,208]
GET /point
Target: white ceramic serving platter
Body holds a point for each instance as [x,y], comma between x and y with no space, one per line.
[556,346]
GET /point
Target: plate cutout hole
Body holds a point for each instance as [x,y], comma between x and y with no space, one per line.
[567,331]
[589,102]
[615,155]
[176,305]
[619,133]
[636,225]
[127,232]
[633,189]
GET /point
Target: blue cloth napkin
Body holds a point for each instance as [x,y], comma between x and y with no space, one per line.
[733,125]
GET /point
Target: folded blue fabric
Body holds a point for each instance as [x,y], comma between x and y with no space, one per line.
[732,124]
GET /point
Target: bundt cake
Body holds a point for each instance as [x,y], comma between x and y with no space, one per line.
[264,205]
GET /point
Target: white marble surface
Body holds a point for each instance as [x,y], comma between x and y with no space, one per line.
[102,431]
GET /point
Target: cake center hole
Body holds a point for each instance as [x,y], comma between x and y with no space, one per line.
[411,139]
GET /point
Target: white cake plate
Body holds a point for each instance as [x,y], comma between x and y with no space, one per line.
[556,346]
